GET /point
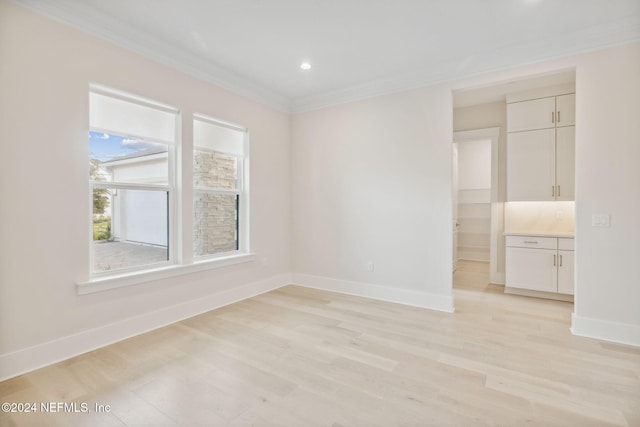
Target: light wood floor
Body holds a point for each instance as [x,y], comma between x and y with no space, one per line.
[301,357]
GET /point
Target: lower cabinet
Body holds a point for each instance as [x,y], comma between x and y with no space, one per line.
[540,264]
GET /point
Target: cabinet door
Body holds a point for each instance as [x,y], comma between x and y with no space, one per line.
[565,163]
[566,110]
[565,272]
[531,115]
[531,165]
[532,269]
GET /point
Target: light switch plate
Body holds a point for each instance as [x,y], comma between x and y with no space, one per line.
[600,220]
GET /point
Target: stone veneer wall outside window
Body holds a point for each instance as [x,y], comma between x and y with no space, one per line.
[215,215]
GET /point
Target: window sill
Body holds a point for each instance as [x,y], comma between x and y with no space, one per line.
[118,281]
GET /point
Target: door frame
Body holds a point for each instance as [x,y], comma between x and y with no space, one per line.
[497,244]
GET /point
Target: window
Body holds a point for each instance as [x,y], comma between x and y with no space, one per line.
[219,202]
[139,214]
[131,151]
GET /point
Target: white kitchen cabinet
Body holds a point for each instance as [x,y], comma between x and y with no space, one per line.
[565,266]
[531,269]
[541,149]
[531,165]
[531,115]
[542,113]
[565,163]
[565,272]
[566,110]
[540,264]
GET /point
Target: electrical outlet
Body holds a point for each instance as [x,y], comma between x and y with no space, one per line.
[370,266]
[600,220]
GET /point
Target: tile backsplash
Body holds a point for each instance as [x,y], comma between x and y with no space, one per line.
[539,217]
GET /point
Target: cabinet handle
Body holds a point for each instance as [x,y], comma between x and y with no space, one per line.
[535,242]
[554,260]
[558,113]
[553,191]
[560,260]
[558,191]
[553,117]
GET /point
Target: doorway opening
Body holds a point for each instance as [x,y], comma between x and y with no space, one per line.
[477,218]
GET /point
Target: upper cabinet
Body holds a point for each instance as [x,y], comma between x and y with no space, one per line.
[566,110]
[565,163]
[542,113]
[531,115]
[541,146]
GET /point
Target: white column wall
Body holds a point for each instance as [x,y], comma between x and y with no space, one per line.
[607,300]
[372,184]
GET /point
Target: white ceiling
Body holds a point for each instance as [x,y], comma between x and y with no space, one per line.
[498,91]
[357,48]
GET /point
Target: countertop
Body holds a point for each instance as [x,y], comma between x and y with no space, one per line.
[538,234]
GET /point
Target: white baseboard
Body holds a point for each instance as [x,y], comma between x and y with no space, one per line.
[622,333]
[384,293]
[538,294]
[497,278]
[41,355]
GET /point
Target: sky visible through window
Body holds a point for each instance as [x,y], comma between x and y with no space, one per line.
[105,147]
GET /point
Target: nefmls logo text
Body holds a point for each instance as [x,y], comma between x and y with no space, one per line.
[72,407]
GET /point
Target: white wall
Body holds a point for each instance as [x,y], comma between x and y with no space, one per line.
[474,165]
[608,181]
[372,182]
[44,194]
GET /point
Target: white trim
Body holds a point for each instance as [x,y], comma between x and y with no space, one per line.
[84,18]
[211,150]
[497,207]
[378,292]
[623,333]
[538,294]
[130,186]
[41,355]
[130,135]
[219,122]
[213,190]
[113,281]
[139,159]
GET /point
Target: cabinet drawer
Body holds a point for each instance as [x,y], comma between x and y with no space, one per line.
[565,244]
[532,242]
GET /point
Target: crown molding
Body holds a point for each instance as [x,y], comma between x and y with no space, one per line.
[619,32]
[611,34]
[112,30]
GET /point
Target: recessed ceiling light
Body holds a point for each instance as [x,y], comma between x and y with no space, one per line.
[305,66]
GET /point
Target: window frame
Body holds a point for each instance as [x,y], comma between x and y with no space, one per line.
[241,189]
[169,188]
[181,259]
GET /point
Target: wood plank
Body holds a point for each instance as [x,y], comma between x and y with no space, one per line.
[299,356]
